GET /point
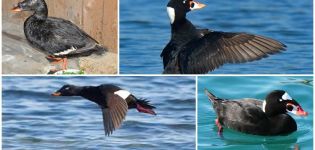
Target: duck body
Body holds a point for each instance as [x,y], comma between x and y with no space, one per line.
[55,36]
[103,93]
[198,51]
[183,32]
[113,101]
[248,115]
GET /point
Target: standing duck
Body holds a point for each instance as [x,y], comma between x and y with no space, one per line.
[259,117]
[113,101]
[198,51]
[58,38]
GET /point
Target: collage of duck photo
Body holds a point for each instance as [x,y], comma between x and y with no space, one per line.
[157,75]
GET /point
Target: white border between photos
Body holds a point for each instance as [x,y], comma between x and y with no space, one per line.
[154,75]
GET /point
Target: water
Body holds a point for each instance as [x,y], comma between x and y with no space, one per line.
[299,88]
[145,30]
[32,119]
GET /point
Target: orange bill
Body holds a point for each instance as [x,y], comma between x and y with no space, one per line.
[16,9]
[56,94]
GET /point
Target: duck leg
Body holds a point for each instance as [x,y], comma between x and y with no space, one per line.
[57,60]
[220,128]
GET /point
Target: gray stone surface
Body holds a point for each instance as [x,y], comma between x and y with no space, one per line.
[18,57]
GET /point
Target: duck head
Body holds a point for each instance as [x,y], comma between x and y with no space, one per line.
[38,6]
[280,102]
[177,9]
[68,90]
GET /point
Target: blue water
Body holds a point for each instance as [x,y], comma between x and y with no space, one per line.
[145,30]
[32,119]
[299,88]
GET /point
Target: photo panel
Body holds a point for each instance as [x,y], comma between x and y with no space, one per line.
[92,112]
[217,37]
[60,37]
[255,112]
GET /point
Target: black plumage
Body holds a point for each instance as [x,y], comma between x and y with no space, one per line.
[113,101]
[198,51]
[56,37]
[252,116]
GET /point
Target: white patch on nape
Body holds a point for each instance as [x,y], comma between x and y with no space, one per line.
[264,106]
[122,93]
[72,49]
[286,96]
[171,14]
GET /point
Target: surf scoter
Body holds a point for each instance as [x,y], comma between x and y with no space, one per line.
[198,51]
[58,38]
[113,101]
[253,116]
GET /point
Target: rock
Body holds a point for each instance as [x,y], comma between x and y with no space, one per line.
[106,64]
[20,58]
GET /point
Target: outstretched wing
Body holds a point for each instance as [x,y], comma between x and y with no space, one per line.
[114,114]
[217,48]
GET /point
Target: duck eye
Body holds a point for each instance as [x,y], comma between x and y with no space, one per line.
[67,88]
[192,5]
[289,107]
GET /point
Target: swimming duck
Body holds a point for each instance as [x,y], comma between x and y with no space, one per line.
[198,51]
[58,38]
[259,117]
[113,101]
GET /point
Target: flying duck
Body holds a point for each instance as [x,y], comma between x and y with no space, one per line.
[58,38]
[259,117]
[198,51]
[113,101]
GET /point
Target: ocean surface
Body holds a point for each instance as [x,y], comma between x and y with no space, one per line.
[32,119]
[299,88]
[145,31]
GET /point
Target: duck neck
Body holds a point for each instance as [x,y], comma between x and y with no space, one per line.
[86,92]
[183,30]
[92,93]
[41,12]
[273,112]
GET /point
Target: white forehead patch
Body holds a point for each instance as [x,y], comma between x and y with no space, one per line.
[264,106]
[286,96]
[122,93]
[171,14]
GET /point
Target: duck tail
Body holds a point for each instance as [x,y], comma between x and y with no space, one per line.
[211,96]
[144,106]
[100,50]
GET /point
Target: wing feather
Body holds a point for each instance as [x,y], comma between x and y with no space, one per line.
[217,48]
[114,114]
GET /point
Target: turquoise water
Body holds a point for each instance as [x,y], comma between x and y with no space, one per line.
[300,88]
[34,120]
[145,30]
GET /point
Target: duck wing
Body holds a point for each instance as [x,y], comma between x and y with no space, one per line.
[217,48]
[114,113]
[168,53]
[242,115]
[64,35]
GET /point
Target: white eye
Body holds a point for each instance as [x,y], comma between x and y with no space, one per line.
[67,88]
[193,5]
[184,1]
[196,5]
[291,108]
